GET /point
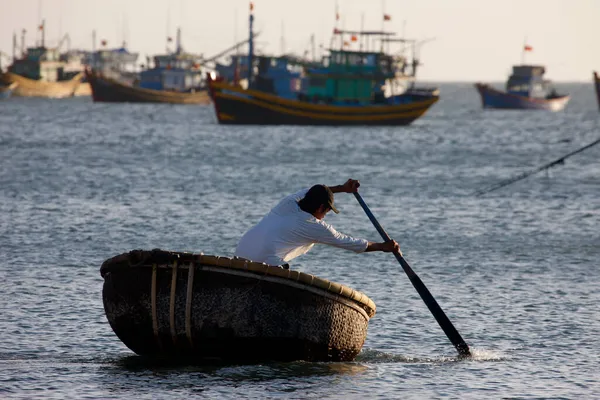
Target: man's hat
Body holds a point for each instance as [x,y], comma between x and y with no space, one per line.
[321,194]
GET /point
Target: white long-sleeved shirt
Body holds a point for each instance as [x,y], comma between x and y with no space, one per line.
[287,232]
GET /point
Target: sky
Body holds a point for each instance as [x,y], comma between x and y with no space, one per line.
[466,40]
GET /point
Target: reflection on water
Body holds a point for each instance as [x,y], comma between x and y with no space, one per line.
[236,371]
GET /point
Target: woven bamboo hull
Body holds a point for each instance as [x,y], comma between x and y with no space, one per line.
[34,88]
[186,306]
[108,90]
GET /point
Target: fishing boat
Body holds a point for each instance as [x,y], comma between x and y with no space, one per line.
[194,306]
[6,91]
[41,73]
[345,88]
[106,89]
[597,87]
[176,78]
[115,63]
[40,88]
[526,89]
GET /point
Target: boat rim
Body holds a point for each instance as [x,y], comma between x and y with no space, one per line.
[240,266]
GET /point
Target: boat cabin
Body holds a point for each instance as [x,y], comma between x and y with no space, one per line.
[235,70]
[40,63]
[176,72]
[113,63]
[277,75]
[350,77]
[528,81]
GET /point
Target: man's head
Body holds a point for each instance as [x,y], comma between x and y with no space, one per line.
[318,201]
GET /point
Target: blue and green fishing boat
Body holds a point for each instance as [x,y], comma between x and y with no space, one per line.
[345,88]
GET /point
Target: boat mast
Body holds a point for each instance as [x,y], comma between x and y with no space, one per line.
[14,49]
[23,32]
[235,32]
[43,29]
[236,57]
[178,44]
[250,45]
[94,49]
[281,40]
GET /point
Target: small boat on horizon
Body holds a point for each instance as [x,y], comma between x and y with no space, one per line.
[526,89]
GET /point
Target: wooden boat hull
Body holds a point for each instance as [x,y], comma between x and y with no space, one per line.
[109,90]
[6,91]
[191,306]
[234,105]
[597,87]
[492,98]
[37,88]
[83,89]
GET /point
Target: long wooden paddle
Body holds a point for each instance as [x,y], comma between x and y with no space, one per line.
[436,310]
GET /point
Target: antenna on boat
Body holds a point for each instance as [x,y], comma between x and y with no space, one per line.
[282,39]
[168,26]
[14,49]
[362,29]
[383,19]
[525,49]
[60,10]
[342,41]
[403,36]
[336,30]
[40,27]
[94,55]
[235,33]
[125,31]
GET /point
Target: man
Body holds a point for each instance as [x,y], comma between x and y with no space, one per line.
[294,225]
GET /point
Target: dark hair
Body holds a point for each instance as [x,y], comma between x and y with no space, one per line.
[316,196]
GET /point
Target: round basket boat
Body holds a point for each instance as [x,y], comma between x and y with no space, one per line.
[185,305]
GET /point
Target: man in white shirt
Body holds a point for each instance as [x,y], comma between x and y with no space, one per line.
[294,225]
